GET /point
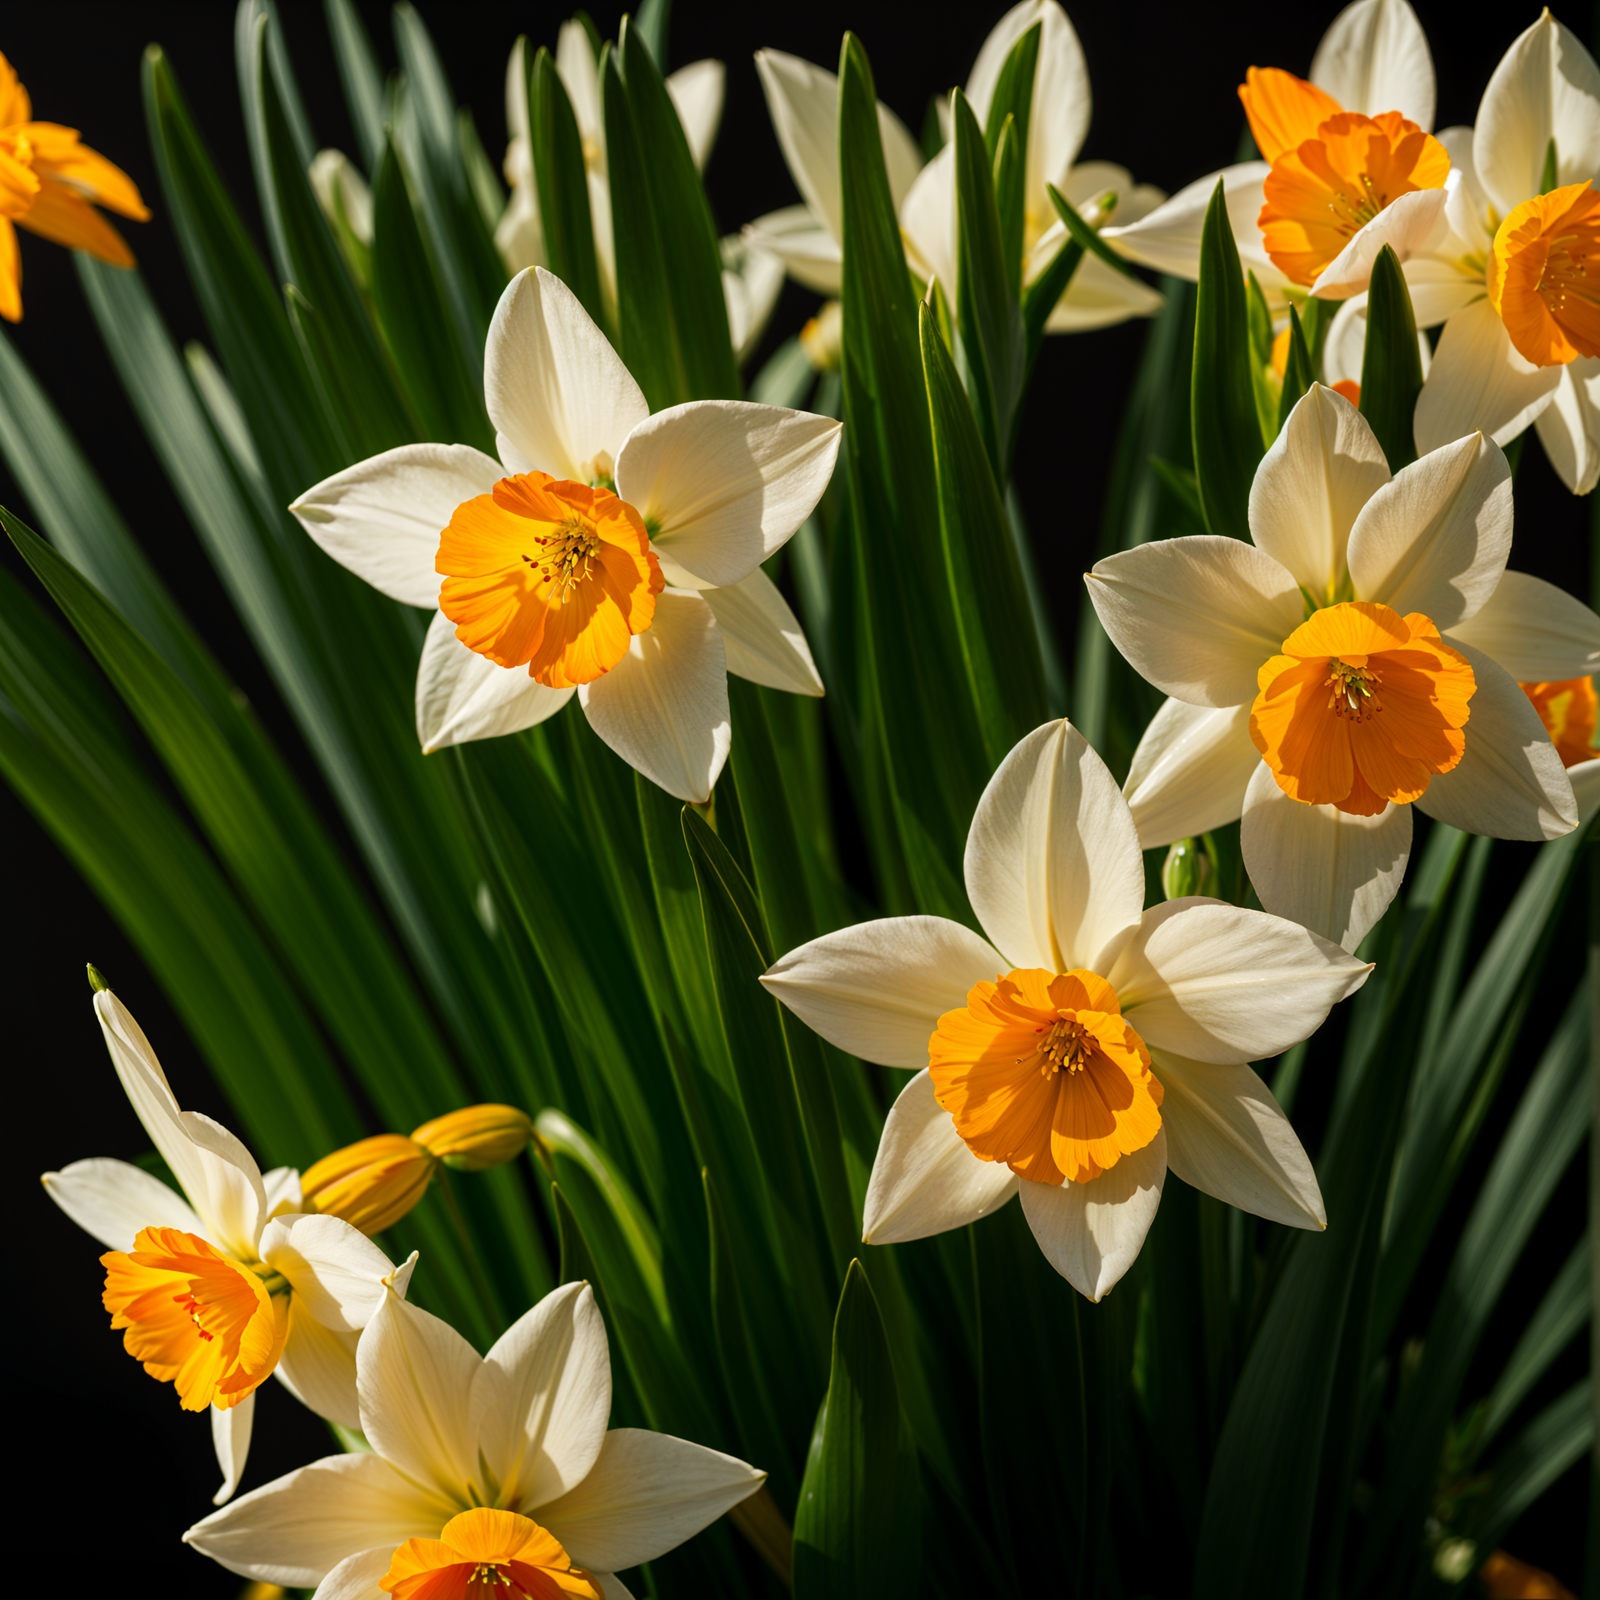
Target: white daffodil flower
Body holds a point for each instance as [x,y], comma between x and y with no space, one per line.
[804,103]
[499,1461]
[1085,1046]
[557,556]
[1365,652]
[1098,296]
[1372,61]
[222,1285]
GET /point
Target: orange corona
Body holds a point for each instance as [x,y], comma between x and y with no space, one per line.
[1544,275]
[485,1554]
[1569,711]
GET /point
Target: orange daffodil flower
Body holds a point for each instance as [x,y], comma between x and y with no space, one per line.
[50,185]
[496,1468]
[1364,653]
[220,1286]
[1085,1045]
[608,554]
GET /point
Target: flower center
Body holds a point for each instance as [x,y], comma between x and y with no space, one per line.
[1319,719]
[1039,1070]
[549,574]
[483,1553]
[211,1326]
[1544,275]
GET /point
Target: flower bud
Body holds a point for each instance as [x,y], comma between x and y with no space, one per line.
[372,1183]
[476,1138]
[1187,870]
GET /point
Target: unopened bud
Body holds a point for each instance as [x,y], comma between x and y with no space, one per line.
[1187,870]
[476,1138]
[822,338]
[372,1183]
[342,193]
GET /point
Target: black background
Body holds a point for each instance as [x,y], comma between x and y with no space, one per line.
[109,1449]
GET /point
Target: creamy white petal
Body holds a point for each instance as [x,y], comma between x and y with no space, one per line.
[230,1438]
[336,1271]
[1569,427]
[647,1493]
[928,222]
[542,1397]
[1510,783]
[1323,467]
[519,234]
[1197,616]
[414,1377]
[463,696]
[1345,348]
[1479,381]
[234,1206]
[318,1367]
[1374,58]
[1585,780]
[697,93]
[580,77]
[803,101]
[664,707]
[877,990]
[1435,538]
[281,1185]
[725,483]
[1408,225]
[1053,867]
[1538,632]
[1228,1137]
[299,1527]
[1546,87]
[924,1178]
[1097,297]
[809,253]
[752,280]
[611,1586]
[357,1577]
[1190,771]
[1091,1233]
[1332,873]
[113,1200]
[1440,285]
[762,636]
[1219,983]
[382,517]
[558,394]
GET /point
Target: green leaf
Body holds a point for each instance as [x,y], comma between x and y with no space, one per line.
[651,25]
[1013,97]
[361,78]
[1391,364]
[856,1527]
[1551,1443]
[1550,172]
[1086,236]
[1299,373]
[1225,428]
[563,184]
[1267,397]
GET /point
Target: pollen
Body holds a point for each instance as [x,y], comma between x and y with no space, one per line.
[1544,275]
[1353,690]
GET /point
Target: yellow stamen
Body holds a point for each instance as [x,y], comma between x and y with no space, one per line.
[486,1552]
[1544,275]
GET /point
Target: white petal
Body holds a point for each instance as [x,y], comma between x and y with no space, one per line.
[1345,348]
[580,77]
[299,1527]
[462,695]
[1219,983]
[1408,225]
[1374,58]
[1323,467]
[1436,537]
[664,707]
[1190,771]
[752,280]
[558,394]
[382,517]
[318,1367]
[1546,87]
[1479,382]
[809,253]
[543,1396]
[877,990]
[336,1271]
[1332,873]
[1091,1233]
[1097,297]
[230,1438]
[924,1178]
[282,1188]
[1053,867]
[519,234]
[611,1586]
[1569,427]
[1197,616]
[928,222]
[697,93]
[648,1492]
[1539,633]
[1227,1137]
[1509,784]
[113,1201]
[1585,781]
[725,483]
[762,636]
[357,1577]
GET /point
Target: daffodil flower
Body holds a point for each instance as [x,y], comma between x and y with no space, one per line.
[608,553]
[50,185]
[1098,296]
[218,1287]
[1084,1046]
[1318,216]
[1364,654]
[501,1462]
